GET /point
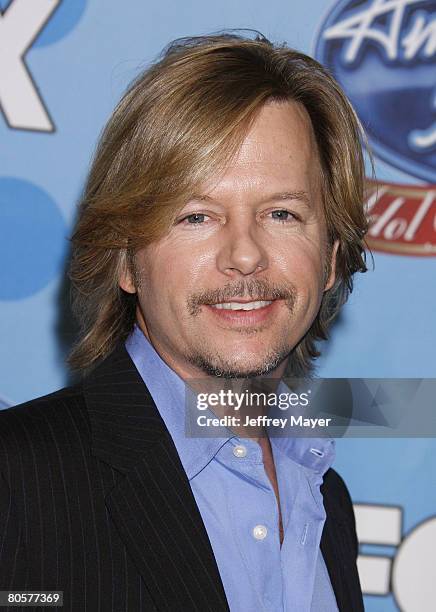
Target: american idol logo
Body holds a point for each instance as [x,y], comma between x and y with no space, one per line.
[383,52]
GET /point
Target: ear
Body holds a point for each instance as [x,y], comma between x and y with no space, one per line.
[125,279]
[332,274]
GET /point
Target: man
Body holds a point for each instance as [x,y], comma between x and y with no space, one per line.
[219,230]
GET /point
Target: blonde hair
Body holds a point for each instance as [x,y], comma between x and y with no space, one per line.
[179,121]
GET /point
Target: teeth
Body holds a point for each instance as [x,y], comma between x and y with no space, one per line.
[239,306]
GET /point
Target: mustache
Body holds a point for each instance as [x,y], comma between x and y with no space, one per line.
[258,289]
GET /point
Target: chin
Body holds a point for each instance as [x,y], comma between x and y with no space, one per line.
[240,368]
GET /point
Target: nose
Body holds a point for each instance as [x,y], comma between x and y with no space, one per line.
[241,249]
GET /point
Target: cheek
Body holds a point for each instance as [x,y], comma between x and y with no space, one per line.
[170,273]
[302,263]
[185,263]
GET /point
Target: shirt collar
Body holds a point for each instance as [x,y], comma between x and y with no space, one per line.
[316,454]
[169,394]
[168,391]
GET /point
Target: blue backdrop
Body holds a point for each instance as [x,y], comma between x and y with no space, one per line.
[64,65]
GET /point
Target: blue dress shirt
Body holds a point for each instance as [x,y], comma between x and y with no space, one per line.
[239,507]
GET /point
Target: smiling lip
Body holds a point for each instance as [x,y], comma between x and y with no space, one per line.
[244,317]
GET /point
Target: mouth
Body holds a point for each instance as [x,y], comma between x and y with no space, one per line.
[243,312]
[241,305]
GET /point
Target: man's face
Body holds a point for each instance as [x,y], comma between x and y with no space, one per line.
[255,234]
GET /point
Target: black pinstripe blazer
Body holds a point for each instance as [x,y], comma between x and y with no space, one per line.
[94,501]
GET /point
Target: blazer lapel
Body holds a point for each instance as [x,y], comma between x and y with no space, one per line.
[152,504]
[339,548]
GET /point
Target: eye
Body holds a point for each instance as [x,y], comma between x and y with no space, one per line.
[284,216]
[193,219]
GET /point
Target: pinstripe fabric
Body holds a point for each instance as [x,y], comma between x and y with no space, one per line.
[95,502]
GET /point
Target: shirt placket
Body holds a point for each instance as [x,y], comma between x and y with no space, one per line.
[254,522]
[301,544]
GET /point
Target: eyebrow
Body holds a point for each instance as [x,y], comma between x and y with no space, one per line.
[275,197]
[289,195]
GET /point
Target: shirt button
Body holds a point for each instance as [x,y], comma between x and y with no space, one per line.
[240,451]
[259,532]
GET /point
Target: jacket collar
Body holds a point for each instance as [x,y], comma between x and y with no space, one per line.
[125,422]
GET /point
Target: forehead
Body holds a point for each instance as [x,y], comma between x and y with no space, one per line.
[279,150]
